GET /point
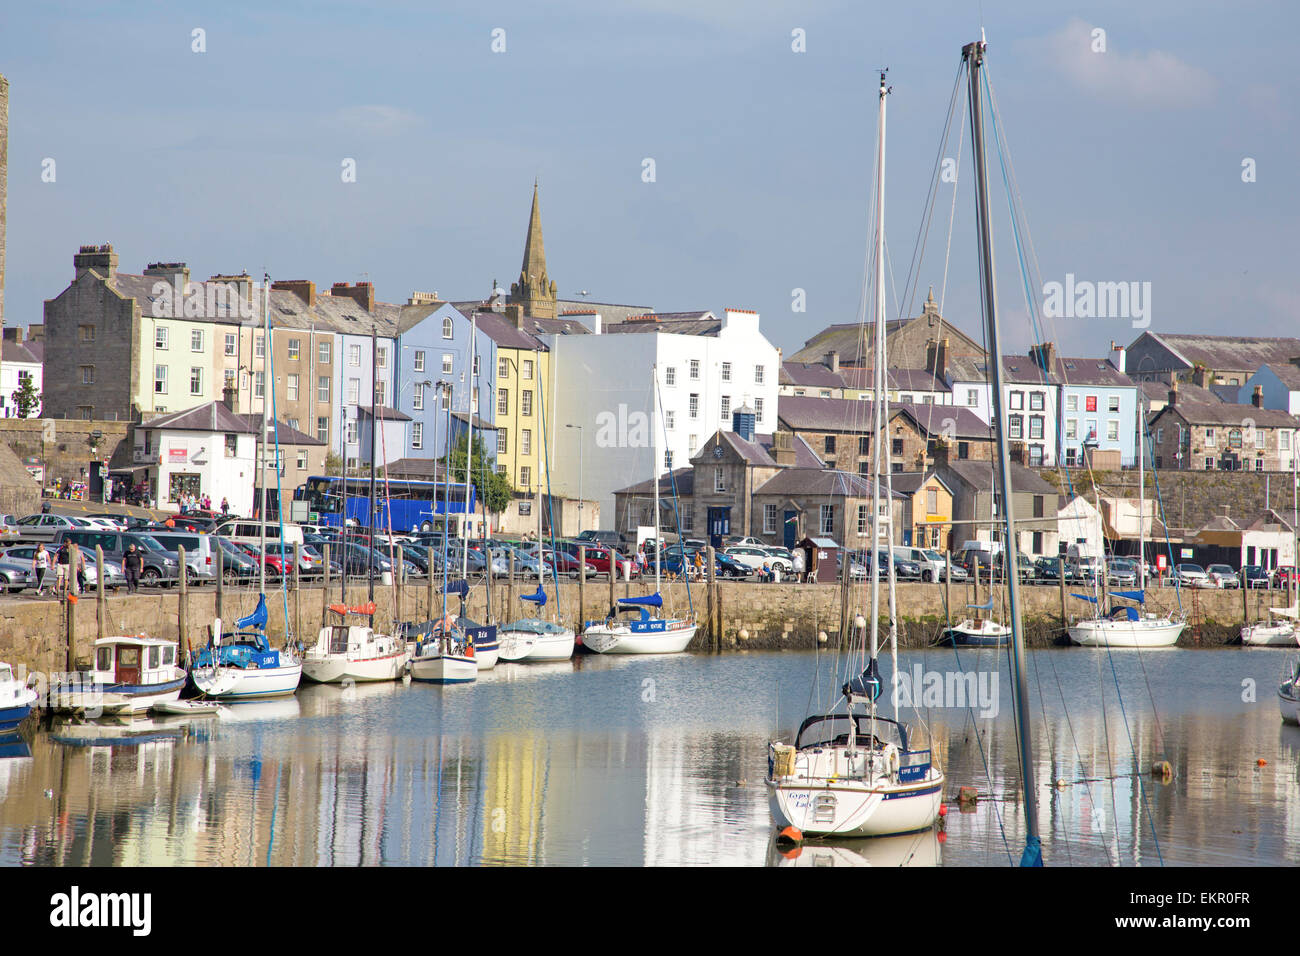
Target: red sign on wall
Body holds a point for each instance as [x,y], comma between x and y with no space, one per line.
[1092,403]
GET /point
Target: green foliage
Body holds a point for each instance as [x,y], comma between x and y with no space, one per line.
[494,490]
[333,465]
[26,398]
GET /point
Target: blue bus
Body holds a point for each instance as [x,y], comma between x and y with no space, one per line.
[403,505]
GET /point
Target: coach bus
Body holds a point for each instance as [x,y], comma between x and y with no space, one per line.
[402,505]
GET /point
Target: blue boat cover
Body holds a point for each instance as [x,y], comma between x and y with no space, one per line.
[539,598]
[650,600]
[258,618]
[1084,597]
[867,683]
[457,587]
[982,607]
[1139,596]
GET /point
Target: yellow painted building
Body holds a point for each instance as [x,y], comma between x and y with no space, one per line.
[931,508]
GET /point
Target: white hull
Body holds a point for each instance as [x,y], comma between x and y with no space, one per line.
[444,669]
[486,660]
[1270,635]
[622,639]
[1288,704]
[230,684]
[1141,633]
[857,809]
[336,668]
[518,646]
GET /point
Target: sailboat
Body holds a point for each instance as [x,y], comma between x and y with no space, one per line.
[855,773]
[1283,627]
[647,633]
[445,652]
[242,665]
[980,631]
[1124,625]
[356,652]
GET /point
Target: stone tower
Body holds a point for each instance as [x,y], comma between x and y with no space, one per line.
[534,291]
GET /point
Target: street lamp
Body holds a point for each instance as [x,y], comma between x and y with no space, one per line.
[579,428]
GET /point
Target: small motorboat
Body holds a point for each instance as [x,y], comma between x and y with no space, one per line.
[186,708]
[445,655]
[129,674]
[16,700]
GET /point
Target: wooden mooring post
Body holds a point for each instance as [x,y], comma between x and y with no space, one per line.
[324,585]
[428,590]
[221,583]
[101,597]
[1060,581]
[297,594]
[399,583]
[69,611]
[582,586]
[710,600]
[182,605]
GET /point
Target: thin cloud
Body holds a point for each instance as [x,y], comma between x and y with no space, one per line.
[1151,78]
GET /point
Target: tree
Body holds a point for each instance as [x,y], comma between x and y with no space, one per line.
[26,398]
[494,490]
[333,464]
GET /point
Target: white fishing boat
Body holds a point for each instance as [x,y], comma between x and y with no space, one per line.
[855,773]
[1288,696]
[16,700]
[354,652]
[128,675]
[534,638]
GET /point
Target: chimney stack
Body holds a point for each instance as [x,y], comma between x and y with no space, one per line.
[1201,376]
[1257,399]
[1173,391]
[228,397]
[832,361]
[1117,356]
[363,293]
[100,258]
[783,449]
[515,314]
[177,274]
[936,357]
[1044,356]
[304,289]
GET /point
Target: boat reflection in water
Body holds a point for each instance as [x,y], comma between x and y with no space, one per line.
[912,849]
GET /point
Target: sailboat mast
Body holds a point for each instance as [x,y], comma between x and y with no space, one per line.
[469,447]
[374,415]
[1142,499]
[878,381]
[261,438]
[973,54]
[654,468]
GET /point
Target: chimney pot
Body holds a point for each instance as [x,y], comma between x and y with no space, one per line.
[1257,399]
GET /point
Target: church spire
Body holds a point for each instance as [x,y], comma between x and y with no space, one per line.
[534,290]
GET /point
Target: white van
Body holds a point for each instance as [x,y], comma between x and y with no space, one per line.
[247,531]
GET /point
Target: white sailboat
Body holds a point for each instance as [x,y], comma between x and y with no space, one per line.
[1283,626]
[1125,626]
[855,773]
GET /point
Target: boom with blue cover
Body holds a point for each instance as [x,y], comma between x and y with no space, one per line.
[258,618]
[457,587]
[650,600]
[866,684]
[539,598]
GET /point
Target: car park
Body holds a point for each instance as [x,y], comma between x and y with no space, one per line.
[16,573]
[161,566]
[198,552]
[1223,576]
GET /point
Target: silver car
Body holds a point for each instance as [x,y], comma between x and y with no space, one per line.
[16,574]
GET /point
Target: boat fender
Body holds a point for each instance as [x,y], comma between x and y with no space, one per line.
[790,835]
[891,759]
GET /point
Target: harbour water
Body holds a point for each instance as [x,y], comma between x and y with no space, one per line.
[660,761]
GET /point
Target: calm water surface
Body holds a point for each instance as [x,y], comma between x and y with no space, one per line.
[661,761]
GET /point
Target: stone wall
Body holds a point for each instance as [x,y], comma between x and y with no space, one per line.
[32,630]
[69,449]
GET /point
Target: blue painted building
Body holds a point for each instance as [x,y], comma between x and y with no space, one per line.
[1098,405]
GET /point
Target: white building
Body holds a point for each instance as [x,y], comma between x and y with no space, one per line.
[1079,527]
[600,411]
[18,361]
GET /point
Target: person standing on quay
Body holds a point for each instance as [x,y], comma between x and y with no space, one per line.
[41,565]
[225,506]
[132,566]
[61,569]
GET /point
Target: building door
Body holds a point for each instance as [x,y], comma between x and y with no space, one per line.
[791,527]
[719,524]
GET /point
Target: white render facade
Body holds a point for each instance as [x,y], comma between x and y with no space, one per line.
[601,391]
[12,374]
[221,464]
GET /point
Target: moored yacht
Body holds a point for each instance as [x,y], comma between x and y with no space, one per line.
[534,638]
[354,651]
[242,665]
[642,635]
[1278,631]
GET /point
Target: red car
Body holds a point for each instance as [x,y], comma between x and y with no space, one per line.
[598,558]
[1284,575]
[274,565]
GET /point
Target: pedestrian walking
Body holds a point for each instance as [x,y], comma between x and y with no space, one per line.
[61,569]
[41,565]
[78,567]
[132,566]
[225,506]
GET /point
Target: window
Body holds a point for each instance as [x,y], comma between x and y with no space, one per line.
[694,406]
[350,432]
[1036,427]
[525,477]
[1017,400]
[905,399]
[826,393]
[417,398]
[196,340]
[1036,456]
[1209,438]
[323,353]
[381,390]
[1259,438]
[196,381]
[1112,430]
[932,501]
[503,368]
[896,446]
[1016,426]
[669,420]
[419,360]
[864,519]
[503,442]
[417,434]
[478,361]
[726,371]
[160,379]
[826,519]
[695,370]
[87,375]
[864,445]
[160,337]
[527,365]
[769,519]
[1036,400]
[381,356]
[1090,403]
[503,401]
[259,384]
[354,356]
[1072,403]
[972,397]
[322,388]
[668,460]
[232,445]
[302,461]
[526,441]
[1209,464]
[670,375]
[1038,506]
[526,402]
[447,330]
[830,444]
[1259,462]
[719,480]
[1071,429]
[963,450]
[295,349]
[259,345]
[87,333]
[501,469]
[758,375]
[229,378]
[1283,441]
[1113,403]
[691,443]
[758,410]
[323,428]
[447,361]
[354,391]
[291,387]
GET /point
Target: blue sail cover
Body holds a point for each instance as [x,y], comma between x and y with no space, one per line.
[650,600]
[258,618]
[457,587]
[539,598]
[865,684]
[982,607]
[1084,597]
[1139,596]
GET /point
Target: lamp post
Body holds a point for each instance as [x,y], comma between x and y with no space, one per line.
[580,443]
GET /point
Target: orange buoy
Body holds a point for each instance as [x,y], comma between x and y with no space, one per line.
[1261,762]
[791,835]
[943,809]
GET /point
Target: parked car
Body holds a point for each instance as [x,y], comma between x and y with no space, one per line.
[1283,576]
[1254,576]
[598,556]
[754,557]
[46,527]
[198,552]
[310,563]
[610,539]
[16,572]
[1192,576]
[1223,576]
[161,566]
[1121,572]
[236,564]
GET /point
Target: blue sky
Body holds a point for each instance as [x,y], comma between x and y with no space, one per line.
[1129,160]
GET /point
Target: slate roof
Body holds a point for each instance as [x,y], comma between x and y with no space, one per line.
[1224,352]
[677,323]
[216,417]
[288,435]
[1287,373]
[386,414]
[811,374]
[857,416]
[979,475]
[1090,371]
[819,481]
[938,419]
[503,332]
[910,482]
[1222,413]
[479,423]
[22,352]
[1187,392]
